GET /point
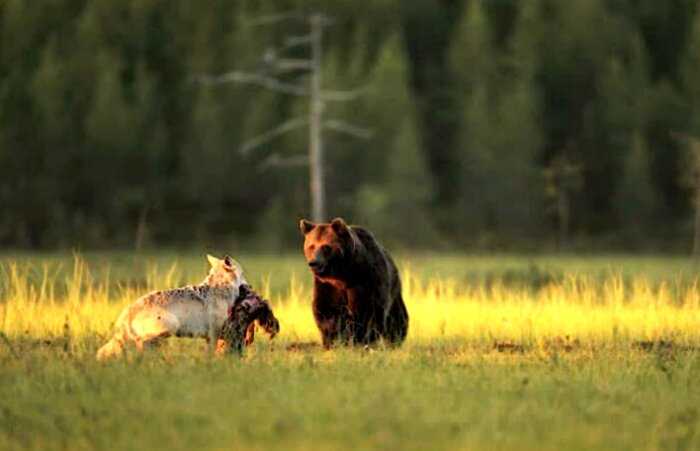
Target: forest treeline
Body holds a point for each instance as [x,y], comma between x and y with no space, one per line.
[495,124]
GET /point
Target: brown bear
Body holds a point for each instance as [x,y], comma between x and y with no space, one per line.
[357,290]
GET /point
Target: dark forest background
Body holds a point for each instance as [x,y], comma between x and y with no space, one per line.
[499,124]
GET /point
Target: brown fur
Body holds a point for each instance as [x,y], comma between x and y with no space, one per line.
[357,289]
[238,330]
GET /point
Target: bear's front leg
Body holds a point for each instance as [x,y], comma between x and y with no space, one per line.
[366,319]
[331,314]
[335,329]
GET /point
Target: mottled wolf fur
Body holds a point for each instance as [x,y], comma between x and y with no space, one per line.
[190,311]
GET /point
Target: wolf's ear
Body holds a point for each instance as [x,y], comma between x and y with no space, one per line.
[213,260]
[231,264]
[339,226]
[306,226]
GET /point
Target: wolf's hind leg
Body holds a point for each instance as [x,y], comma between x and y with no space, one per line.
[150,325]
[150,328]
[113,348]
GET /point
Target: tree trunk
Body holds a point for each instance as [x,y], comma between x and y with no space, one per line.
[316,179]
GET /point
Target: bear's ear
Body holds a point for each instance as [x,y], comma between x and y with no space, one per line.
[306,226]
[339,226]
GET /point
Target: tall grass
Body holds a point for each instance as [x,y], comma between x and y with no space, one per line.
[47,300]
[502,353]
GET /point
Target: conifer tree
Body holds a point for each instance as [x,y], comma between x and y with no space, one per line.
[397,203]
[690,70]
[624,113]
[499,132]
[49,91]
[110,123]
[472,54]
[110,129]
[636,198]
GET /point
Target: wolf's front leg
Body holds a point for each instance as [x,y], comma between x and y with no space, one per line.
[212,330]
[221,347]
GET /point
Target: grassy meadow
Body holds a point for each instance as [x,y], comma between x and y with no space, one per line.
[504,352]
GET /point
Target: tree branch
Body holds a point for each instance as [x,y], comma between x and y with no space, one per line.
[254,79]
[295,41]
[285,64]
[342,96]
[275,18]
[275,160]
[348,129]
[287,126]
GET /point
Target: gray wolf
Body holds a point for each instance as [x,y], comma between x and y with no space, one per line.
[190,311]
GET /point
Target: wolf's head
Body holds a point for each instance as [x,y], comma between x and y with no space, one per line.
[225,272]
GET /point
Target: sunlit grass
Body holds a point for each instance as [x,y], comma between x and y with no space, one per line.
[46,300]
[545,353]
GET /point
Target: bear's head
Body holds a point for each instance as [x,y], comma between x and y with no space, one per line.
[327,246]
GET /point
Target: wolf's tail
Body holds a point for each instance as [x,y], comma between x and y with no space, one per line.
[115,346]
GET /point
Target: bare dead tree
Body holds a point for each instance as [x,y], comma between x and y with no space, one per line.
[275,62]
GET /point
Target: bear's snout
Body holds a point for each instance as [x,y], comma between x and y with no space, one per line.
[317,265]
[320,258]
